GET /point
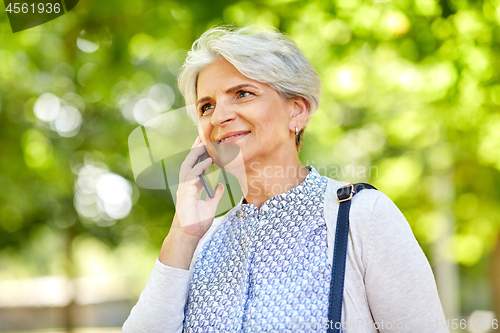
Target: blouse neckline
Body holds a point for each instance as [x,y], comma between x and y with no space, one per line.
[279,201]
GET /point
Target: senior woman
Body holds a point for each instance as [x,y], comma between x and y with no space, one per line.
[266,265]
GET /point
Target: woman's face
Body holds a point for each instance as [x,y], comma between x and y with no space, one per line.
[230,103]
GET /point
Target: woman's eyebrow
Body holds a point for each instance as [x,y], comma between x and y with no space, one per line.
[202,100]
[228,91]
[240,86]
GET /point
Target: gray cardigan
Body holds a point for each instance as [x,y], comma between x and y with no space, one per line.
[389,284]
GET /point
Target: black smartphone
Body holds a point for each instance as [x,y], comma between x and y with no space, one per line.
[206,183]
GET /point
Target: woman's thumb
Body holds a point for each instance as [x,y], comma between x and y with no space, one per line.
[219,190]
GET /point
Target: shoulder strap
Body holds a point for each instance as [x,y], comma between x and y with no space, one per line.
[344,195]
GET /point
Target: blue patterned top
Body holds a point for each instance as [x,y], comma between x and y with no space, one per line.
[265,270]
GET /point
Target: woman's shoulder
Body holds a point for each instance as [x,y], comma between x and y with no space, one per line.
[370,209]
[375,223]
[366,201]
[363,202]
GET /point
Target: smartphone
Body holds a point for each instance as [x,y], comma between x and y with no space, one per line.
[206,183]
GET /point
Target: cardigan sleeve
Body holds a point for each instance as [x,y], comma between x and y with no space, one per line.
[400,285]
[161,305]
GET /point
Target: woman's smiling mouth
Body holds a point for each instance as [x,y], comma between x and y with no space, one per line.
[232,137]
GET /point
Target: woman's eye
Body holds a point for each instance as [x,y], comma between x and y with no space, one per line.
[206,107]
[242,94]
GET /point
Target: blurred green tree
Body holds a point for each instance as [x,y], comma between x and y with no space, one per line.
[411,100]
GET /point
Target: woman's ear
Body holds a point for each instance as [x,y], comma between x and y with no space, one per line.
[300,112]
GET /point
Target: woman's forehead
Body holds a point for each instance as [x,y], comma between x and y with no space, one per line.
[219,73]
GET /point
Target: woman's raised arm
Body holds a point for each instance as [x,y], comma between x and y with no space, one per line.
[161,305]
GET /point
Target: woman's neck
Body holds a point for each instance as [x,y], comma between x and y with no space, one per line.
[269,180]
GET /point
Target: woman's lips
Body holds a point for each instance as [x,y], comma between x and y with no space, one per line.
[234,138]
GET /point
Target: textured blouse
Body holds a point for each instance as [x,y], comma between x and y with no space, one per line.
[263,268]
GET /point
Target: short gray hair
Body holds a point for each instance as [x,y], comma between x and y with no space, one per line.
[264,55]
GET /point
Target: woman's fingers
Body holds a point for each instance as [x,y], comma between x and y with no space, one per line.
[199,187]
[196,142]
[190,160]
[197,170]
[219,190]
[195,215]
[214,202]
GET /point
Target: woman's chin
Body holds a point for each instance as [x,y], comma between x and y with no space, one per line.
[224,154]
[236,165]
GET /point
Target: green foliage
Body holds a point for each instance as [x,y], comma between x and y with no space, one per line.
[410,88]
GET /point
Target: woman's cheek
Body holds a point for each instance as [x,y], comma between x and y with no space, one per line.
[202,133]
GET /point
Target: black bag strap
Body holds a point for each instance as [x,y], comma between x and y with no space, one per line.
[344,195]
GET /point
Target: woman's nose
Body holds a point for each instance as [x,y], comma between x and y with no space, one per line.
[222,114]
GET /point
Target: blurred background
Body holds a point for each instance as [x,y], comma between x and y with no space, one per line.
[410,103]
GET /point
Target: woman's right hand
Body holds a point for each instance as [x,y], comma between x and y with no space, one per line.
[193,216]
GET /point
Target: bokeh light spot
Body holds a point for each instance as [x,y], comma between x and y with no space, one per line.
[86,45]
[46,107]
